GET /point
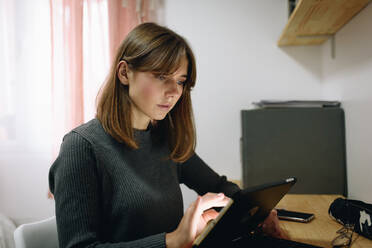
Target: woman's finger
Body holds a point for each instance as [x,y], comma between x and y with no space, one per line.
[210,200]
[210,214]
[271,225]
[195,210]
[192,217]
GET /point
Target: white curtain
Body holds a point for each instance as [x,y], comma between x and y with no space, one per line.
[7,70]
[96,52]
[25,109]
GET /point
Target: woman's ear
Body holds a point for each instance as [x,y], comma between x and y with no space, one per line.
[122,72]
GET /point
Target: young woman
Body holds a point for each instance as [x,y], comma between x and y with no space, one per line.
[116,179]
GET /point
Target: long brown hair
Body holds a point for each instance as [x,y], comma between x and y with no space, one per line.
[150,47]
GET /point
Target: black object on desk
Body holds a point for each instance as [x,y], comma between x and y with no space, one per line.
[296,216]
[307,143]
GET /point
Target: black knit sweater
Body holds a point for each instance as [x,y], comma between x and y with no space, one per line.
[107,195]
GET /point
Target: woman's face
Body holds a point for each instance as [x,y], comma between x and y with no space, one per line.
[153,96]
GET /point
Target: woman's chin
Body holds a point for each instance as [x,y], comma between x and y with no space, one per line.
[159,117]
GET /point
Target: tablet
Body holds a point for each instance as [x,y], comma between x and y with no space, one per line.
[243,213]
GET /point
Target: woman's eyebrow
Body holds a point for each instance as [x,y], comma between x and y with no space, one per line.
[174,75]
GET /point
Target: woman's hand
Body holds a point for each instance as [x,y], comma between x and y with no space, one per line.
[195,219]
[271,226]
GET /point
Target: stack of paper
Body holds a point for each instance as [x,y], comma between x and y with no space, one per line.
[296,104]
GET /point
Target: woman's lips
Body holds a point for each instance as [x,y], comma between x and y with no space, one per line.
[164,107]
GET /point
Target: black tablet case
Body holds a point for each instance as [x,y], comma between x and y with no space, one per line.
[307,143]
[250,207]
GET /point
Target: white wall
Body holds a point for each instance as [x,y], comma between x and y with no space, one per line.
[349,77]
[239,62]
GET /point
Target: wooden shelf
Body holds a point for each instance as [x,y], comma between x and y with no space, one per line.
[314,21]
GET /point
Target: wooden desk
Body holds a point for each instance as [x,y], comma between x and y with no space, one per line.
[322,229]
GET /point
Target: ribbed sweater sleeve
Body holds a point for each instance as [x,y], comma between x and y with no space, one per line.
[197,175]
[74,180]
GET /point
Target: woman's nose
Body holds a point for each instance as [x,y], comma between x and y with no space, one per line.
[173,88]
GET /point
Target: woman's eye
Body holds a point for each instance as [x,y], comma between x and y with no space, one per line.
[181,83]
